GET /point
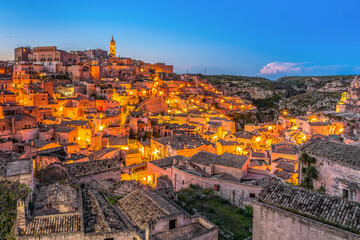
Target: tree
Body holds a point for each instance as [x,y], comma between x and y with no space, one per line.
[156,134]
[322,189]
[147,135]
[132,134]
[310,173]
[10,193]
[306,159]
[307,183]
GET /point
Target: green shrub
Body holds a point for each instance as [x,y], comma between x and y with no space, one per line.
[206,191]
[249,209]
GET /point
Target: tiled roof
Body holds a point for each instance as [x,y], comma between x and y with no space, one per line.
[258,154]
[283,174]
[144,207]
[64,129]
[182,141]
[103,151]
[6,157]
[244,134]
[60,223]
[347,154]
[321,207]
[20,166]
[182,233]
[74,123]
[226,159]
[226,143]
[168,161]
[53,194]
[320,123]
[40,143]
[225,177]
[118,141]
[284,148]
[91,167]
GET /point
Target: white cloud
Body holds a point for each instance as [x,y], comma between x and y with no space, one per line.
[280,67]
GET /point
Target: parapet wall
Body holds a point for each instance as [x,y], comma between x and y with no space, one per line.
[270,223]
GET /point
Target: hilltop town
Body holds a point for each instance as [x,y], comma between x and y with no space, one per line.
[95,146]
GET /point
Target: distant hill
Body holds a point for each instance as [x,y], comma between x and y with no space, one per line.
[294,93]
[317,83]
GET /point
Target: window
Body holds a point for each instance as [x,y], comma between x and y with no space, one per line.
[172,224]
[345,193]
[252,195]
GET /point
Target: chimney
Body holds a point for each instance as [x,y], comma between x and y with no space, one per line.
[174,161]
[20,217]
[147,232]
[13,125]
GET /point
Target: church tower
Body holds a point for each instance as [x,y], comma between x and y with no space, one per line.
[112,48]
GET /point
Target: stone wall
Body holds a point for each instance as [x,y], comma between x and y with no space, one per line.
[162,225]
[26,179]
[236,192]
[212,234]
[59,236]
[25,135]
[270,222]
[336,177]
[6,146]
[124,235]
[114,174]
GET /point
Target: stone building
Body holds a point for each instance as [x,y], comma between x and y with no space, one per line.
[349,102]
[50,54]
[162,219]
[22,54]
[154,105]
[20,127]
[161,67]
[17,169]
[184,145]
[338,167]
[227,175]
[65,211]
[288,212]
[95,170]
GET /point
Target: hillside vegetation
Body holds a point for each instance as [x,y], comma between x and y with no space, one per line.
[294,93]
[233,222]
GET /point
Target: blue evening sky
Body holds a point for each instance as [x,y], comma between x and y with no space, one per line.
[256,38]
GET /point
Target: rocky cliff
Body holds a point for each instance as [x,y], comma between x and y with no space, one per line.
[296,94]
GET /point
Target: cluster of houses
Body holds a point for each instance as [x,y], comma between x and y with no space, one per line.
[104,143]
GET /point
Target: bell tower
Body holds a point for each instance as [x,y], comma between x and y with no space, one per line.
[112,48]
